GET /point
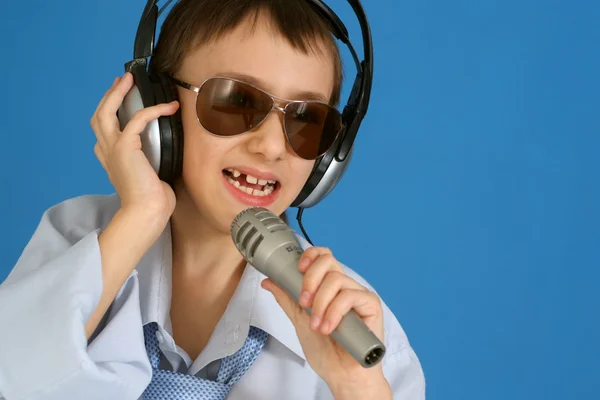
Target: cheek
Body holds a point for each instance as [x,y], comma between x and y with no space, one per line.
[187,107]
[302,169]
[201,149]
[199,146]
[199,153]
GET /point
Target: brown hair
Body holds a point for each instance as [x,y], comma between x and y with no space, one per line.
[192,23]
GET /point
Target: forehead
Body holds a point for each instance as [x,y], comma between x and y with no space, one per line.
[262,55]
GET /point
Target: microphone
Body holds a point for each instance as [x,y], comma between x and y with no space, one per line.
[271,247]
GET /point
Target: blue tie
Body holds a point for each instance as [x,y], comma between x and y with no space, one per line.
[173,385]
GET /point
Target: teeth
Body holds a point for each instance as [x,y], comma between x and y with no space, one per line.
[254,192]
[267,184]
[251,179]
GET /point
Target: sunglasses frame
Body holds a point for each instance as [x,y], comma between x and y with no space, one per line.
[284,103]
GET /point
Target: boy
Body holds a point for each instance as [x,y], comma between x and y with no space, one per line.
[143,294]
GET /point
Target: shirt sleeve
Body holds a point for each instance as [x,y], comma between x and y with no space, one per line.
[44,305]
[403,372]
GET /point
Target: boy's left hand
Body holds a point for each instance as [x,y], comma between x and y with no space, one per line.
[331,294]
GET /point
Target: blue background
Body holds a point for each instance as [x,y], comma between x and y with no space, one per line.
[472,201]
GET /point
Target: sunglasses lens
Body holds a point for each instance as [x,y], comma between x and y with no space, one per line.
[227,108]
[312,128]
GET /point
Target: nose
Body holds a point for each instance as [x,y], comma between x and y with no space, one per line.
[268,140]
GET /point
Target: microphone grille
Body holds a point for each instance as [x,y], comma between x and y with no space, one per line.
[247,240]
[248,229]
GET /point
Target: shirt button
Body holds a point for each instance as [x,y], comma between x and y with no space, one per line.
[159,337]
[236,332]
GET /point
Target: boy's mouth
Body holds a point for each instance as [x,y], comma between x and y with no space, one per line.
[250,184]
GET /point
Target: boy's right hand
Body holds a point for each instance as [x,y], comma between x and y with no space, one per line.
[120,153]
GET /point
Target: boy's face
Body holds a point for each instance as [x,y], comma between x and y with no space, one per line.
[278,69]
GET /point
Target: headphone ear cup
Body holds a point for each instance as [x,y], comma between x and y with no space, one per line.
[328,170]
[140,96]
[170,130]
[324,177]
[162,139]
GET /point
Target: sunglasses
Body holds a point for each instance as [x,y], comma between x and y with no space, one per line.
[229,107]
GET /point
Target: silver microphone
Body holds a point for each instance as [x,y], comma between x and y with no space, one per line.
[271,247]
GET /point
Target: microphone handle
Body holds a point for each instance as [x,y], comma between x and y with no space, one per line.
[352,333]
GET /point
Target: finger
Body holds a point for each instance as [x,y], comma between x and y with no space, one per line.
[109,91]
[107,112]
[115,95]
[100,156]
[96,130]
[94,120]
[144,116]
[315,274]
[285,301]
[328,290]
[310,255]
[365,303]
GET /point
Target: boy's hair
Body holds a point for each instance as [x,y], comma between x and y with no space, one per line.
[192,23]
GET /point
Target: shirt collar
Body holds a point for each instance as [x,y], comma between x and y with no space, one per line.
[249,305]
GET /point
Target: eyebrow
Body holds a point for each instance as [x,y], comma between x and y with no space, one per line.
[300,95]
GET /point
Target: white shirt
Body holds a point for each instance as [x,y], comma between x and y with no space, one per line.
[57,283]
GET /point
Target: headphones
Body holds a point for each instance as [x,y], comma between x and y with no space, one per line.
[162,139]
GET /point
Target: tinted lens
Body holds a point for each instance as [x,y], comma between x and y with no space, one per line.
[226,107]
[311,128]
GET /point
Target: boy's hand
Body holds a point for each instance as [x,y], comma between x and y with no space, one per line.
[331,294]
[120,153]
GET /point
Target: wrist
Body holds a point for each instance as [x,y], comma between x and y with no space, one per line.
[150,220]
[379,390]
[128,236]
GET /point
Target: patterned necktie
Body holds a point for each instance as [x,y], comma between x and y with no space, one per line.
[173,385]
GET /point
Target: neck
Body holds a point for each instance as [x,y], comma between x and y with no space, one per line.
[207,269]
[202,254]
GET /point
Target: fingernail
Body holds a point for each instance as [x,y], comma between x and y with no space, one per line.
[304,298]
[314,322]
[325,327]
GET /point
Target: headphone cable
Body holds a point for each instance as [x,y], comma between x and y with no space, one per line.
[299,219]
